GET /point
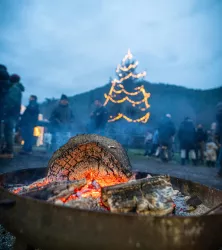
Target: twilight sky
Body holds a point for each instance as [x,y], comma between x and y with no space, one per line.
[72,46]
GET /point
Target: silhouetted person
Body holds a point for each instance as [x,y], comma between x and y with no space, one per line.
[219,135]
[12,106]
[148,143]
[201,137]
[155,142]
[167,131]
[187,136]
[4,86]
[211,153]
[61,123]
[28,121]
[99,118]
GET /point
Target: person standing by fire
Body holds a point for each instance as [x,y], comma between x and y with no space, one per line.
[167,131]
[201,138]
[187,136]
[28,121]
[12,105]
[4,86]
[99,118]
[61,121]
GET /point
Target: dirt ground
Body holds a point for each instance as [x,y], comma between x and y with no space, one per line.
[199,174]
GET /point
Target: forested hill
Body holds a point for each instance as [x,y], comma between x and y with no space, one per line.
[165,98]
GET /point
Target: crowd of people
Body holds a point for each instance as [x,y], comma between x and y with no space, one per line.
[196,144]
[62,119]
[10,105]
[57,131]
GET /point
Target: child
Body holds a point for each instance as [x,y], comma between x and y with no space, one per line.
[211,153]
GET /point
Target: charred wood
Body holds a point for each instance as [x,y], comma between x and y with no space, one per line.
[145,196]
[55,190]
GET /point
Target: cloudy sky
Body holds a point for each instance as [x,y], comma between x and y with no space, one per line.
[72,46]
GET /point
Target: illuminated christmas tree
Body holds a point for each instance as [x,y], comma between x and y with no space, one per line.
[127,97]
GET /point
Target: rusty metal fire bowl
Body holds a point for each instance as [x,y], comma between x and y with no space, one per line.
[47,226]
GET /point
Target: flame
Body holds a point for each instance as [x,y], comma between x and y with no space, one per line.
[91,189]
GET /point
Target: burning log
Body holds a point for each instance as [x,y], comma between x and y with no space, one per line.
[85,203]
[55,190]
[91,172]
[151,196]
[92,157]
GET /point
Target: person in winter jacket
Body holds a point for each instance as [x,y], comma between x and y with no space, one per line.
[167,131]
[61,123]
[201,137]
[187,136]
[12,105]
[4,87]
[219,135]
[99,118]
[28,121]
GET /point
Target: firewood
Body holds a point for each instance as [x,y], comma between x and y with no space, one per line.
[85,203]
[55,190]
[93,157]
[145,196]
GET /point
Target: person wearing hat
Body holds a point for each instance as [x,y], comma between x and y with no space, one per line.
[12,105]
[61,121]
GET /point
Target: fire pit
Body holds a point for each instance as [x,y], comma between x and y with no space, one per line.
[48,226]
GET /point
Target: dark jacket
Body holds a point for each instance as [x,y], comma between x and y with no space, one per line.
[100,117]
[187,135]
[219,122]
[201,135]
[13,100]
[4,86]
[62,118]
[30,116]
[166,130]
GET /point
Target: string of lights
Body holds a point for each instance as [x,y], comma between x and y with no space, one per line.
[113,90]
[143,74]
[127,56]
[118,83]
[126,98]
[143,119]
[140,89]
[131,66]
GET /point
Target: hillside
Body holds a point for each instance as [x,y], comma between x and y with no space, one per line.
[165,98]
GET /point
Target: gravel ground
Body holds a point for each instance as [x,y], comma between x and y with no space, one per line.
[6,239]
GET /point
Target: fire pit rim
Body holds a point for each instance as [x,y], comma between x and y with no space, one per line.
[4,190]
[105,212]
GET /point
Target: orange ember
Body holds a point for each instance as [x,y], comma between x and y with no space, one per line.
[38,184]
[91,189]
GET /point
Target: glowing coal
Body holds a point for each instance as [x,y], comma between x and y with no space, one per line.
[93,172]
